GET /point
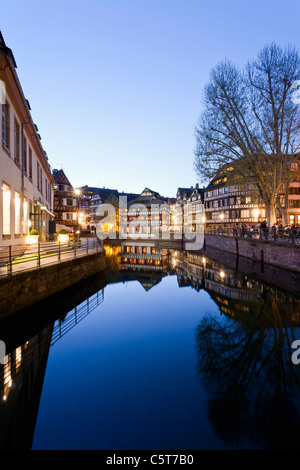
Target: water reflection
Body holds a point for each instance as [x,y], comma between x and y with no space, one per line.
[21,381]
[243,350]
[244,355]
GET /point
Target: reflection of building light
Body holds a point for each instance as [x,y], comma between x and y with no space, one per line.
[10,383]
[18,354]
[222,274]
[203,260]
[4,397]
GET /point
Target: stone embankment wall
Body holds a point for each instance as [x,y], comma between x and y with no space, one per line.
[284,255]
[28,287]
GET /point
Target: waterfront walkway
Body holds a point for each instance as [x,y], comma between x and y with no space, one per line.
[287,236]
[15,259]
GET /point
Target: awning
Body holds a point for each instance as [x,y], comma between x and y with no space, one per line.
[44,208]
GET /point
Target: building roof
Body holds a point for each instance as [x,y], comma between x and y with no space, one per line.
[148,197]
[6,50]
[185,191]
[60,177]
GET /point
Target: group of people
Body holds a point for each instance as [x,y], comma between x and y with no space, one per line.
[277,230]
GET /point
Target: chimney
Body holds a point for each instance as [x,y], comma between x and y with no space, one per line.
[197,186]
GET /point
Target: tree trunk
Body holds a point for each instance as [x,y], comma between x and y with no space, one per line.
[284,217]
[271,215]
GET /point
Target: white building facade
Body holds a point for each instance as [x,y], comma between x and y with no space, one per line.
[25,175]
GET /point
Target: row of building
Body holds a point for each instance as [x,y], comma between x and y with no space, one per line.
[35,197]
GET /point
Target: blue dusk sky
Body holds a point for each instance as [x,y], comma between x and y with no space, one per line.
[116,86]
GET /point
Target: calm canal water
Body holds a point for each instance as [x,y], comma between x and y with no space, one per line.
[166,350]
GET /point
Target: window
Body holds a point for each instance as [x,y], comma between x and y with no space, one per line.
[30,164]
[17,213]
[17,141]
[25,215]
[5,125]
[38,174]
[248,199]
[41,180]
[294,166]
[6,209]
[25,155]
[245,214]
[69,202]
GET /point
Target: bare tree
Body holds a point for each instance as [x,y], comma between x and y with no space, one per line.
[250,127]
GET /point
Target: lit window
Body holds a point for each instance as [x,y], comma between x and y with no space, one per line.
[17,213]
[6,209]
[294,166]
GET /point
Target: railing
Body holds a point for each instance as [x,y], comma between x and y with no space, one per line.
[287,235]
[17,258]
[73,317]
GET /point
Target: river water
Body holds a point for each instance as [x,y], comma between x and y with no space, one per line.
[166,350]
